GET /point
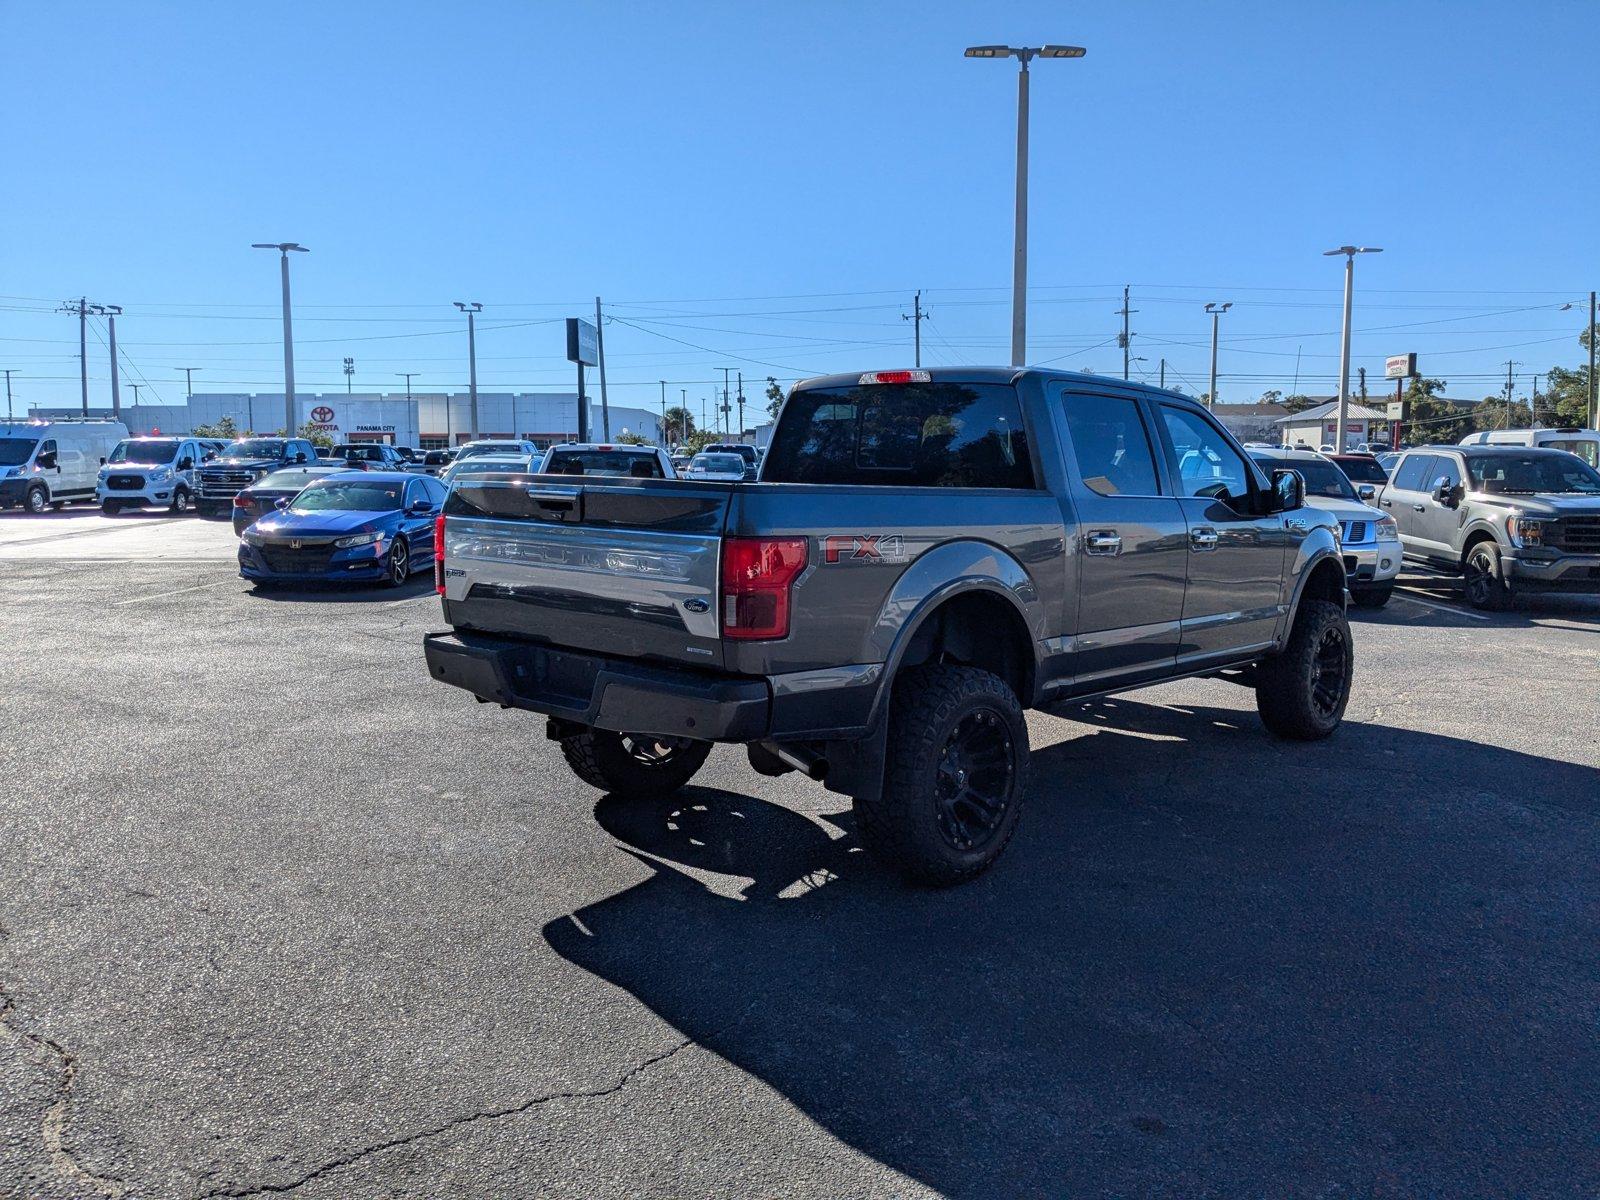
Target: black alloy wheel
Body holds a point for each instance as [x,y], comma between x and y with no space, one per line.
[1328,671]
[973,779]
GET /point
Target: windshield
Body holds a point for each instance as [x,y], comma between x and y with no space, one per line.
[145,450]
[474,451]
[1524,474]
[1362,470]
[255,448]
[603,462]
[331,496]
[717,462]
[1321,476]
[16,451]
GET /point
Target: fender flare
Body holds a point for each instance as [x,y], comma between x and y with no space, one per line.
[1324,553]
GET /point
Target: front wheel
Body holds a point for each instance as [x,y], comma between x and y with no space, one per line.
[1301,692]
[111,507]
[180,502]
[954,778]
[397,567]
[634,765]
[1483,580]
[1374,597]
[37,499]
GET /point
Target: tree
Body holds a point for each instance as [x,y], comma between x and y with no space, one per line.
[1565,400]
[1430,418]
[317,437]
[1297,402]
[700,439]
[774,397]
[1271,396]
[225,428]
[632,439]
[680,424]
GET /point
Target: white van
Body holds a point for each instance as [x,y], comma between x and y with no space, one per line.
[45,464]
[160,471]
[1585,443]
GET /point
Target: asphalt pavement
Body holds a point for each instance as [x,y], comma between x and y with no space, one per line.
[279,915]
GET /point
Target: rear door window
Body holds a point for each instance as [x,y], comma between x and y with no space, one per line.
[1111,445]
[903,435]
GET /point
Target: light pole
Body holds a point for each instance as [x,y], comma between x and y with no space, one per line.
[283,248]
[1019,278]
[1216,310]
[408,376]
[349,374]
[188,380]
[472,309]
[1349,253]
[112,312]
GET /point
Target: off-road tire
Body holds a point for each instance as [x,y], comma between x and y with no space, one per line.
[1483,582]
[1301,692]
[617,763]
[907,826]
[1375,597]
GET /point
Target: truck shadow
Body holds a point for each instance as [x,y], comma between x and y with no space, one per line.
[1210,963]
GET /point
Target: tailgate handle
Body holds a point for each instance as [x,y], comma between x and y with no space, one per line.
[559,504]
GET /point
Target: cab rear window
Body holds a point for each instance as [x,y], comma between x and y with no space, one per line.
[902,435]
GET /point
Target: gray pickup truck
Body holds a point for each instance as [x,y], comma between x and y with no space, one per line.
[925,555]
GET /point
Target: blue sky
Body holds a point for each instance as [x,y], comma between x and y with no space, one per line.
[769,183]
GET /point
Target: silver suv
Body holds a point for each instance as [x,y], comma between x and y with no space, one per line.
[1508,519]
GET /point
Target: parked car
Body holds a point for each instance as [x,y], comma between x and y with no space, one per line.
[1585,443]
[47,464]
[746,452]
[375,525]
[1387,460]
[434,462]
[929,553]
[1508,519]
[161,471]
[368,456]
[244,462]
[1368,540]
[1363,470]
[497,446]
[581,458]
[262,496]
[724,468]
[485,464]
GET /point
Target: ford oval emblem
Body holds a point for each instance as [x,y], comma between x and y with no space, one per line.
[697,605]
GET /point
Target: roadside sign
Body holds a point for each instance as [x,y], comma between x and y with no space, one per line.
[1396,410]
[583,342]
[1400,366]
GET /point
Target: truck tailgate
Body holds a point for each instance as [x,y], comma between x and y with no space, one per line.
[625,567]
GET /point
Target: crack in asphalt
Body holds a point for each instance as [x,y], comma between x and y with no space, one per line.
[356,1156]
[53,1126]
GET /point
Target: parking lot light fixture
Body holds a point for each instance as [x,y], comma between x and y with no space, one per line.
[1216,310]
[1349,253]
[1019,276]
[284,249]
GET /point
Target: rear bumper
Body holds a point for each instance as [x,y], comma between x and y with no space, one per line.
[605,693]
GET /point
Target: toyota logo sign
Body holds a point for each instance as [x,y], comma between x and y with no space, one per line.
[322,414]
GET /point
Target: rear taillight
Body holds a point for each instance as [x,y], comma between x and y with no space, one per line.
[241,501]
[756,576]
[438,554]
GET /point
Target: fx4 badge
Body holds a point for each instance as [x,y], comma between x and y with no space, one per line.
[863,548]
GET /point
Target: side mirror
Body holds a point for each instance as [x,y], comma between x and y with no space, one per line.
[1367,492]
[1288,490]
[300,457]
[420,509]
[209,455]
[1444,493]
[47,461]
[102,460]
[281,503]
[185,463]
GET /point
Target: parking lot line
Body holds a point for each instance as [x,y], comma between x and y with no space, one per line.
[199,587]
[1434,604]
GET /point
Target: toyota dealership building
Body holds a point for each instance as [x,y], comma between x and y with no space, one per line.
[425,420]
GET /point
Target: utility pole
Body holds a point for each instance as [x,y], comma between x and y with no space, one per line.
[916,319]
[112,311]
[188,380]
[349,374]
[1216,312]
[10,416]
[1125,338]
[663,414]
[600,346]
[1594,336]
[741,405]
[1163,372]
[81,307]
[283,248]
[726,407]
[1505,416]
[472,308]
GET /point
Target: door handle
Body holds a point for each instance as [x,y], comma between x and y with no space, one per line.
[1387,503]
[1103,541]
[1203,539]
[1418,508]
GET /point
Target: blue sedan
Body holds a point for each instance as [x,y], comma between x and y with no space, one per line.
[375,526]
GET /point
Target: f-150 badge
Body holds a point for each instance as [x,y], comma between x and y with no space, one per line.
[863,548]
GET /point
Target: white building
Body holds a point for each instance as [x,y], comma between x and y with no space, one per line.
[426,419]
[1318,426]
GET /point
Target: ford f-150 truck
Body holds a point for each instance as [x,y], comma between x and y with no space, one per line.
[925,555]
